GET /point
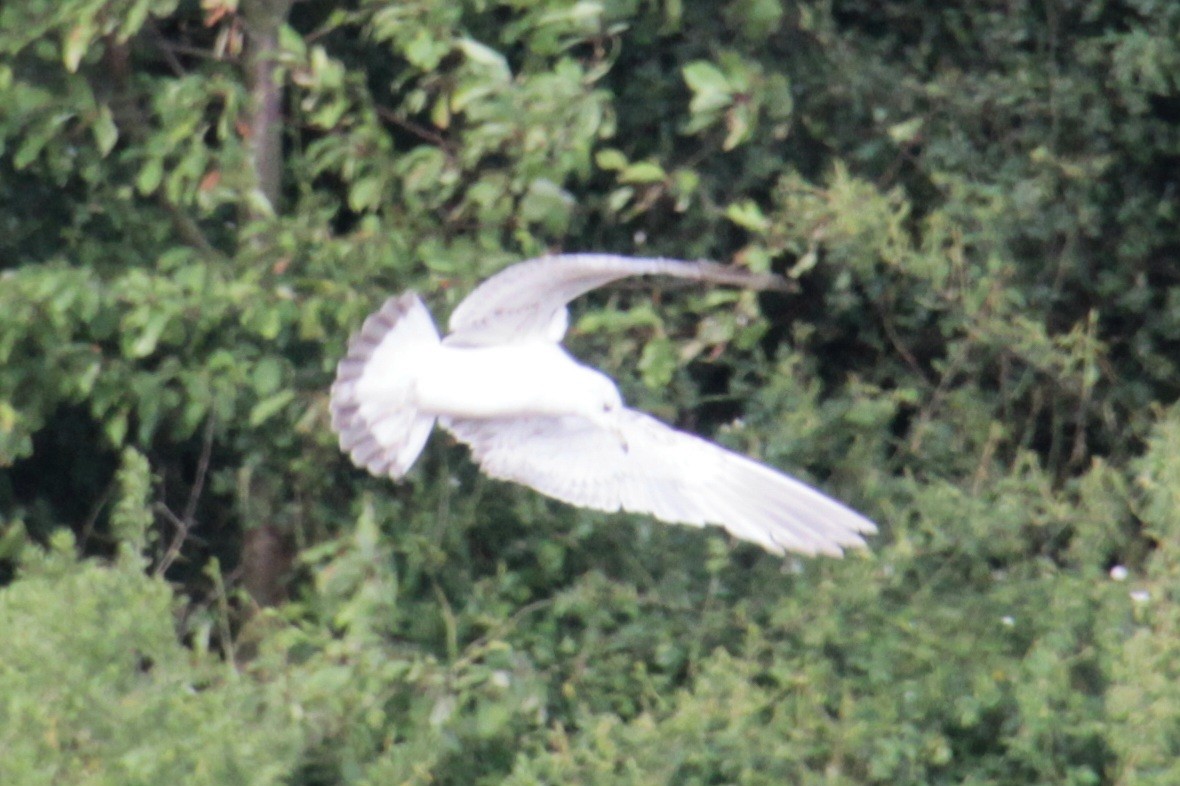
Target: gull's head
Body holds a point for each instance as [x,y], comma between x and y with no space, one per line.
[604,398]
[604,406]
[598,398]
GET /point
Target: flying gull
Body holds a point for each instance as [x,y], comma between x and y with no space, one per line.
[530,413]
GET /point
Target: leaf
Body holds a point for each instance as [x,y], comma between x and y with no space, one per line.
[619,198]
[643,172]
[115,427]
[149,336]
[106,133]
[610,159]
[266,409]
[440,113]
[907,131]
[150,175]
[267,376]
[547,204]
[748,215]
[424,51]
[292,42]
[365,194]
[704,77]
[13,538]
[492,61]
[739,122]
[711,91]
[76,42]
[658,363]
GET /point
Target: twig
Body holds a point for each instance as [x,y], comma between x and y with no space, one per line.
[474,650]
[169,49]
[895,340]
[178,539]
[186,522]
[420,131]
[92,519]
[190,508]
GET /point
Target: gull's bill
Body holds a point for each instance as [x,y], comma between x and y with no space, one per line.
[530,413]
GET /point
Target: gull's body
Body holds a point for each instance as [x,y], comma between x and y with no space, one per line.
[531,413]
[527,378]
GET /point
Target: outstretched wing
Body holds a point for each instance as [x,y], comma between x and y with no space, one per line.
[528,300]
[648,467]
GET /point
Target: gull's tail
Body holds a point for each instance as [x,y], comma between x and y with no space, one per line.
[371,400]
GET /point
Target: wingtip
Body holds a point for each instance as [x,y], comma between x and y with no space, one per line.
[743,277]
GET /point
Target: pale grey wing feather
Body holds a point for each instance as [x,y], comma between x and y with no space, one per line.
[657,470]
[528,299]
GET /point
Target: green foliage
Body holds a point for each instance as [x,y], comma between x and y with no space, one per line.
[978,211]
[99,691]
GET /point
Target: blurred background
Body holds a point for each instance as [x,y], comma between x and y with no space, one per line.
[199,202]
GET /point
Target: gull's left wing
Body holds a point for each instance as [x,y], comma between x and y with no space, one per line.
[528,300]
[648,467]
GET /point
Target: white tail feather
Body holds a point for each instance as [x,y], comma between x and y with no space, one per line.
[371,400]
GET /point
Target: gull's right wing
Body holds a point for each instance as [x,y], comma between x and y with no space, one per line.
[528,300]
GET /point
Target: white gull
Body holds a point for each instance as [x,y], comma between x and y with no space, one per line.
[530,413]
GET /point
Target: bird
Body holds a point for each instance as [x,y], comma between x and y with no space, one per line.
[501,382]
